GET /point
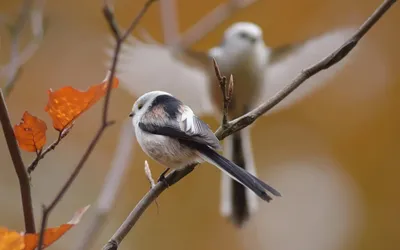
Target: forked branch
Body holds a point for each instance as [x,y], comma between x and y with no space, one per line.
[245,121]
[23,179]
[119,37]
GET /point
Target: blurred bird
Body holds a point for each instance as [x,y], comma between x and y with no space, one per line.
[258,71]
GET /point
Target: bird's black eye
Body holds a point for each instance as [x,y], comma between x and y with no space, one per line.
[243,35]
[246,36]
[140,106]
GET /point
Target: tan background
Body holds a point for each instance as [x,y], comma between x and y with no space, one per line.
[334,156]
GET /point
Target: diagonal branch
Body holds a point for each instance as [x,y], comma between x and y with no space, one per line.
[114,177]
[200,29]
[18,58]
[325,63]
[210,21]
[24,184]
[109,15]
[245,121]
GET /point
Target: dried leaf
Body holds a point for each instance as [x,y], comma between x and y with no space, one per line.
[30,133]
[53,234]
[11,240]
[67,103]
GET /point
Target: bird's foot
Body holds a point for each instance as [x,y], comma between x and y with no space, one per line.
[162,177]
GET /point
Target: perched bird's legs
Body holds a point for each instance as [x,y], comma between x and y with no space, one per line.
[162,177]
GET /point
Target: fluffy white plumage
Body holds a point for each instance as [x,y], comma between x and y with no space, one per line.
[144,67]
[258,75]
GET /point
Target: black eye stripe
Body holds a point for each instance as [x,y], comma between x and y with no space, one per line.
[243,35]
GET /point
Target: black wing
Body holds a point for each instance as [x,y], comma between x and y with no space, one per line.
[190,128]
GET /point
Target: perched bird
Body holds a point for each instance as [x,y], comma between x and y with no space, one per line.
[169,132]
[258,72]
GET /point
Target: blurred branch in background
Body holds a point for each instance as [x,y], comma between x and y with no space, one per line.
[210,21]
[32,10]
[199,30]
[246,120]
[23,179]
[119,37]
[169,21]
[111,185]
[325,63]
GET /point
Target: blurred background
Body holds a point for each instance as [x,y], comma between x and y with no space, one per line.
[334,155]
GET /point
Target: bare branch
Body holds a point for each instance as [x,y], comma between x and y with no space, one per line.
[138,18]
[169,21]
[325,63]
[227,91]
[51,147]
[18,58]
[143,204]
[111,185]
[23,179]
[147,171]
[210,21]
[244,121]
[109,16]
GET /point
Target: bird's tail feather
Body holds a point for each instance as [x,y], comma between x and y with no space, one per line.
[238,202]
[237,173]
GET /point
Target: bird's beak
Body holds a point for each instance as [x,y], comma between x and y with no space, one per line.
[131,114]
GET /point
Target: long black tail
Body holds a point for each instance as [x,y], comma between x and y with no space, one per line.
[238,202]
[239,198]
[237,173]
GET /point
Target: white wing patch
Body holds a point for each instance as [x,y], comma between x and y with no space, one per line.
[282,73]
[187,120]
[144,67]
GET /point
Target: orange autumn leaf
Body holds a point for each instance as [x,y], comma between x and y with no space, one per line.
[67,103]
[52,234]
[11,240]
[30,133]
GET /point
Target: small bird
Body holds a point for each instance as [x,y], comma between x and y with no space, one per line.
[169,132]
[258,71]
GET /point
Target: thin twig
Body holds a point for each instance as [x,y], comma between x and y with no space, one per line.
[149,176]
[244,121]
[23,179]
[227,91]
[51,147]
[111,185]
[109,16]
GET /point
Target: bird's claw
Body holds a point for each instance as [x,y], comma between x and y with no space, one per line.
[162,178]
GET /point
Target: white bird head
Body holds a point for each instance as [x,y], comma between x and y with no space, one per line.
[241,40]
[143,102]
[244,35]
